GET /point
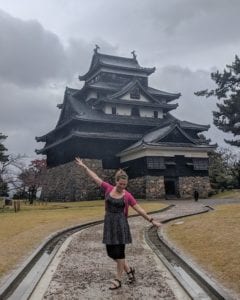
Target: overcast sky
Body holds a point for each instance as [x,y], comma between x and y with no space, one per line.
[46,44]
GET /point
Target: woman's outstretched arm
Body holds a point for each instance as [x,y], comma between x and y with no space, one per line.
[142,212]
[90,173]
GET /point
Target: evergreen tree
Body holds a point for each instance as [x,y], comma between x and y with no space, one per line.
[227,118]
[3,156]
[3,159]
[223,169]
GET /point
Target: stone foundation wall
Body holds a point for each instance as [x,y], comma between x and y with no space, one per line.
[137,187]
[155,187]
[187,186]
[69,182]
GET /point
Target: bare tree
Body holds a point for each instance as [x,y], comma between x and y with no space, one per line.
[10,170]
[32,177]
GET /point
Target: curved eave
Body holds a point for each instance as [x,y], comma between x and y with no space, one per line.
[94,135]
[147,71]
[140,146]
[187,146]
[60,105]
[41,138]
[189,125]
[171,97]
[123,120]
[88,74]
[44,137]
[166,95]
[39,151]
[164,106]
[196,127]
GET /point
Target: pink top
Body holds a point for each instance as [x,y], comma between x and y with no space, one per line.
[128,197]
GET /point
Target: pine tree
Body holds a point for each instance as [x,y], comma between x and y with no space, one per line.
[3,156]
[227,118]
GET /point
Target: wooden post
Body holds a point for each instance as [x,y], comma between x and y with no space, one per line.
[16,205]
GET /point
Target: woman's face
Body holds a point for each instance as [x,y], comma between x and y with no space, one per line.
[121,185]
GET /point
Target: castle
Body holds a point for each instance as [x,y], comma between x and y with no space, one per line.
[117,120]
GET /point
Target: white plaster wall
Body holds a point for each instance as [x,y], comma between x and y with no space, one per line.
[107,109]
[164,153]
[149,112]
[124,110]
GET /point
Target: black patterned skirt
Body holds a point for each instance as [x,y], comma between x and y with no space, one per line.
[116,229]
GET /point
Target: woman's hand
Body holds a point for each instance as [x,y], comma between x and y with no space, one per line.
[89,172]
[157,224]
[79,162]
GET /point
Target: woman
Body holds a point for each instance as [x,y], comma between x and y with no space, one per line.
[116,233]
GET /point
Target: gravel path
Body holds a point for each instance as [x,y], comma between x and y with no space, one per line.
[84,271]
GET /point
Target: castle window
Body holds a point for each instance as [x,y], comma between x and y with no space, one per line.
[155,114]
[114,110]
[135,112]
[200,164]
[156,163]
[135,93]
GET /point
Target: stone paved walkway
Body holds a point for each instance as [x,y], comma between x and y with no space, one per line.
[84,270]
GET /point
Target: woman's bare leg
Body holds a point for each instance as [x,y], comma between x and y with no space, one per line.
[120,268]
[126,266]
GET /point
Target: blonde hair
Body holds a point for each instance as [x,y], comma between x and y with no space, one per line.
[121,174]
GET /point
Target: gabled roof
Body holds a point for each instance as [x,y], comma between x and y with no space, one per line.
[166,95]
[194,126]
[116,62]
[157,135]
[131,85]
[115,87]
[153,102]
[157,138]
[189,125]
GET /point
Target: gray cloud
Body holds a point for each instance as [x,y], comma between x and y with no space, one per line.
[30,55]
[150,23]
[26,113]
[183,39]
[191,108]
[79,53]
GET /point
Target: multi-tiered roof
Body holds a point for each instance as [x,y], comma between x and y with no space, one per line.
[115,111]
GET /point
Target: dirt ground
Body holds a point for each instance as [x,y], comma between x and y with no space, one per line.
[85,271]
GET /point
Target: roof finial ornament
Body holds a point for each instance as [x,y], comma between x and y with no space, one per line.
[96,48]
[134,54]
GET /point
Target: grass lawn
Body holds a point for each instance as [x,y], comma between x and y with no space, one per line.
[213,241]
[22,232]
[233,194]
